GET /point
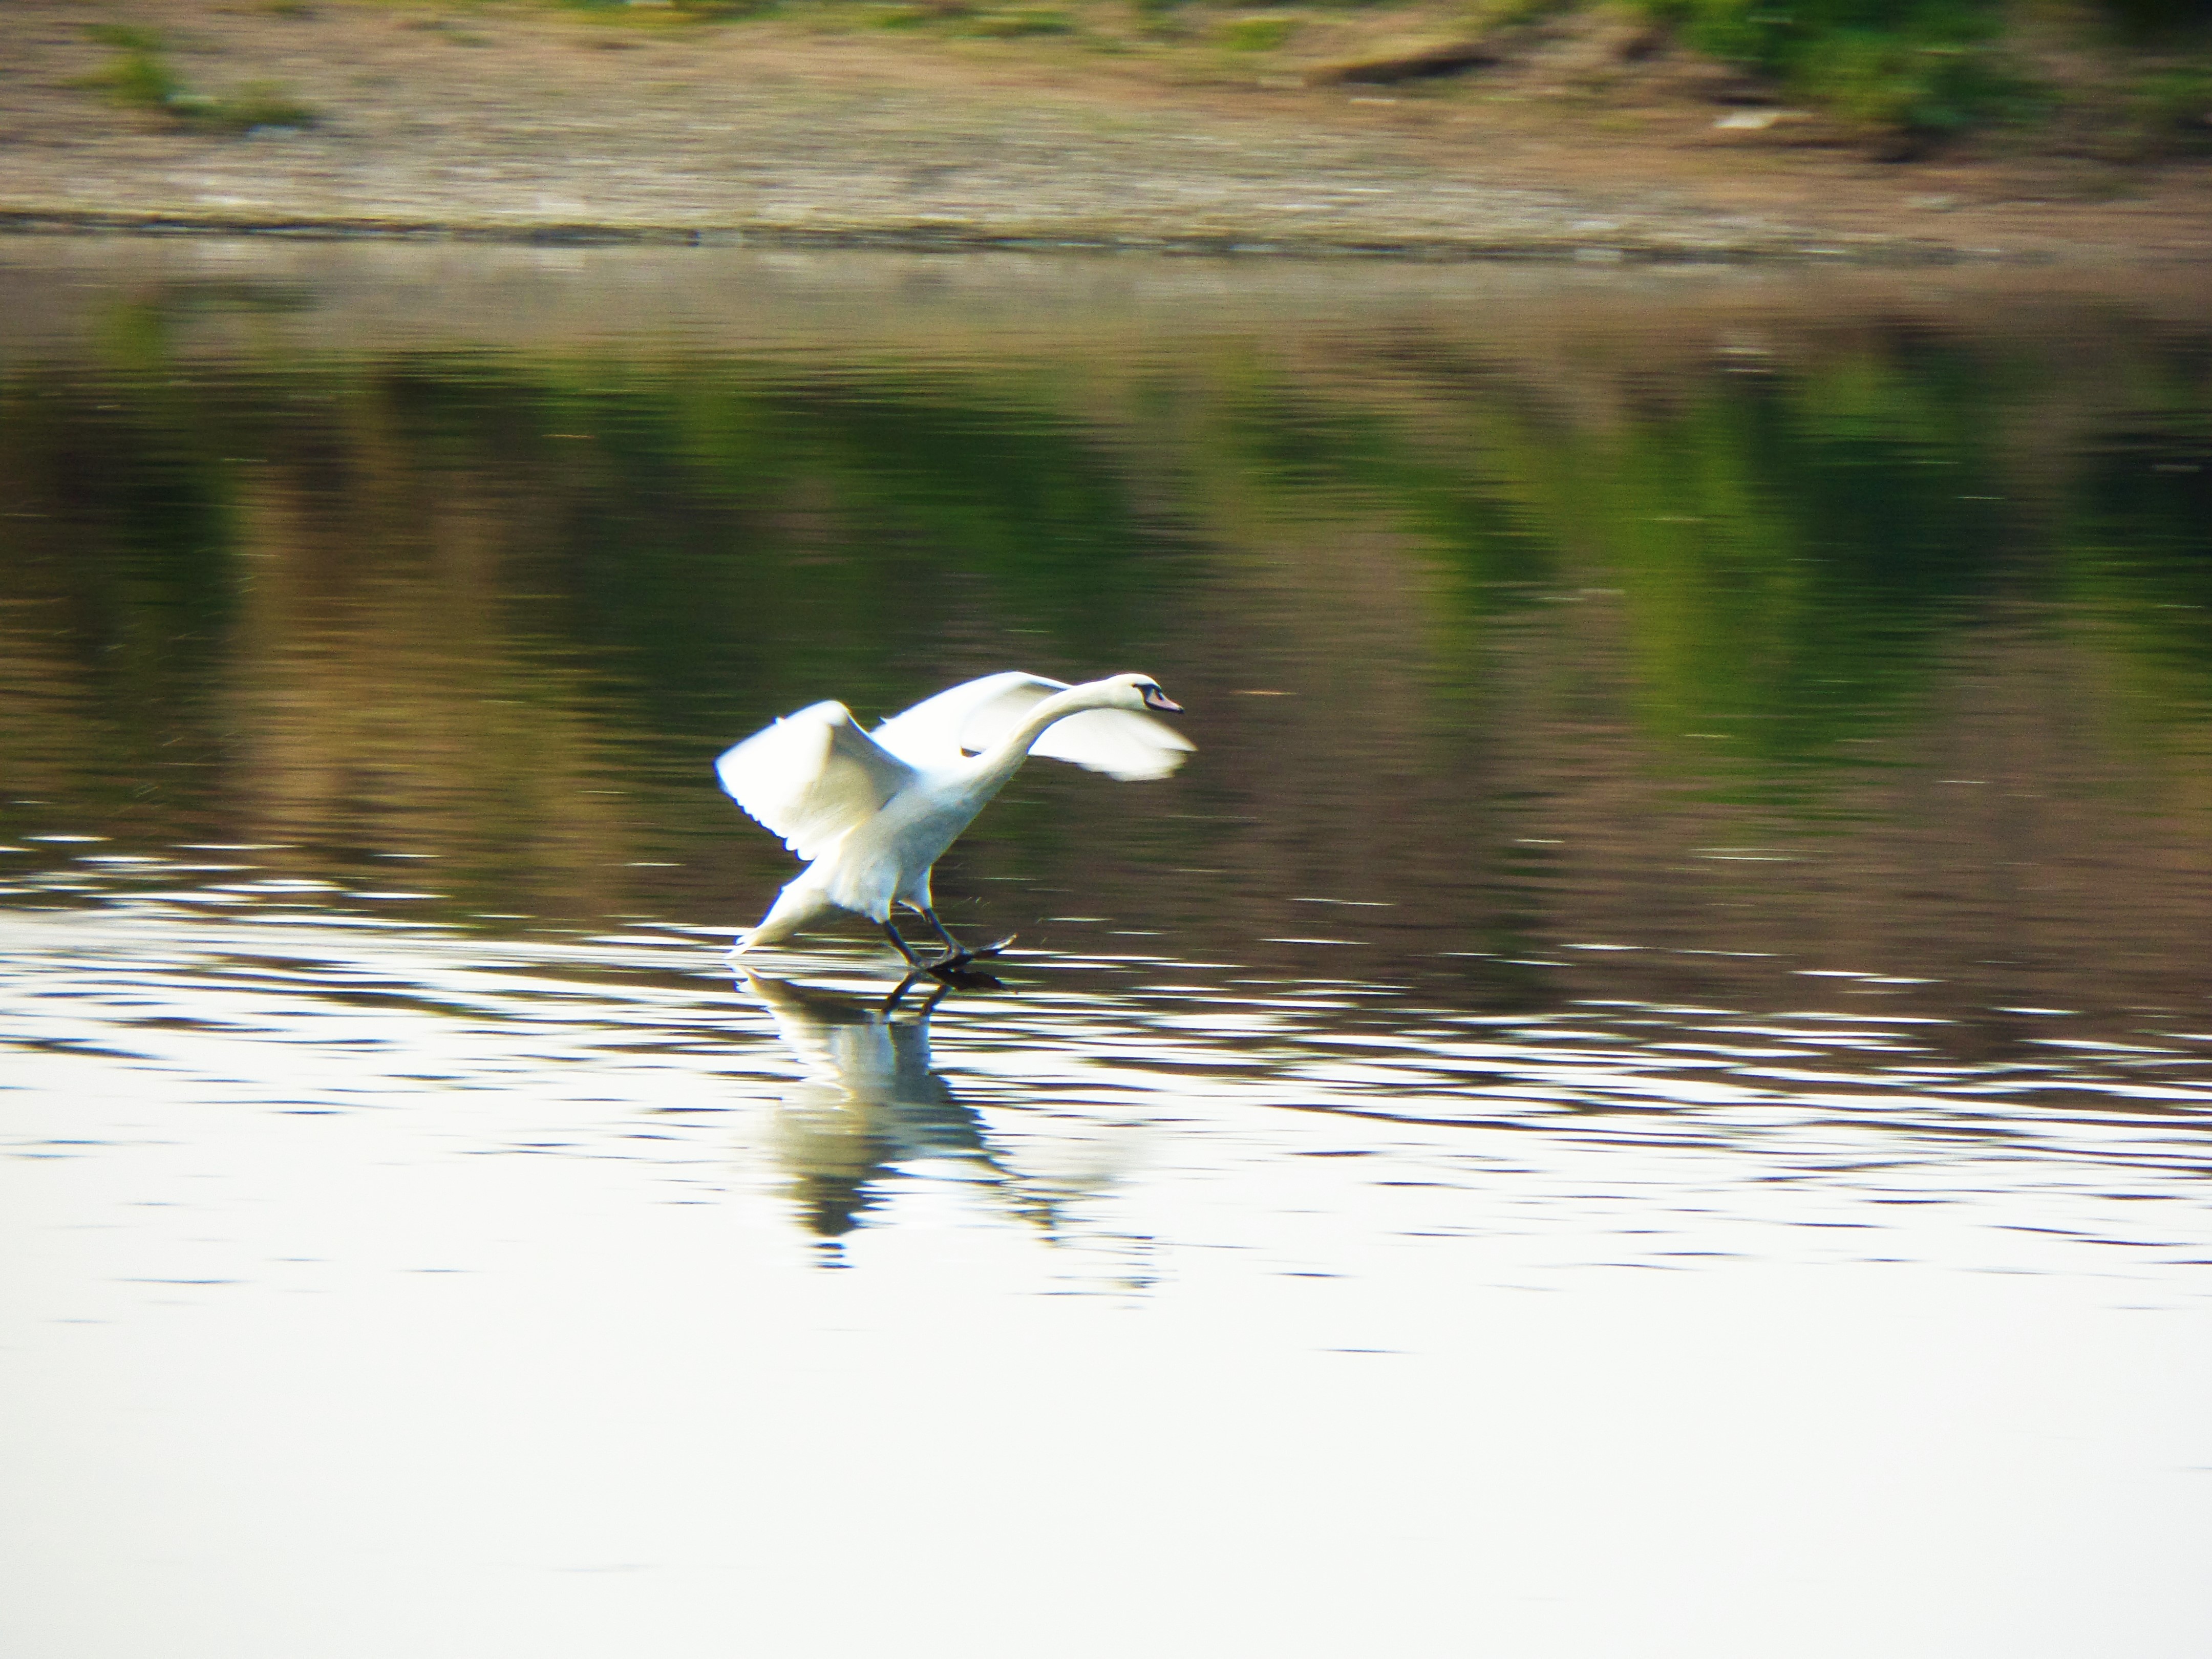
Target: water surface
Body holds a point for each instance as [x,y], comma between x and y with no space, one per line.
[1645,1092]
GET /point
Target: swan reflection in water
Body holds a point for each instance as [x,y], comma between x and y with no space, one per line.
[871,1104]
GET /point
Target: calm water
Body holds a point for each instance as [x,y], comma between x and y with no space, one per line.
[1647,1092]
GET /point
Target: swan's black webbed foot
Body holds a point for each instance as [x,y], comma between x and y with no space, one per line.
[964,979]
[955,962]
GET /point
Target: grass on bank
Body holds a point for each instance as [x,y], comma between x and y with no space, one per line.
[2123,80]
[1930,67]
[2142,68]
[2118,80]
[140,76]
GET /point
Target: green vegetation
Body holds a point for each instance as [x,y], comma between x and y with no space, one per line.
[1258,33]
[2170,111]
[676,10]
[2135,76]
[1021,21]
[141,78]
[1917,67]
[2127,81]
[956,17]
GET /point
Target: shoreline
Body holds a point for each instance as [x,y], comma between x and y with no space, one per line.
[375,293]
[1877,251]
[550,130]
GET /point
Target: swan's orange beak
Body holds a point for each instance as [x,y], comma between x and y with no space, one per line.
[1156,698]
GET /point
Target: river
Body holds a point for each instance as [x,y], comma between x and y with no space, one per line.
[1646,1091]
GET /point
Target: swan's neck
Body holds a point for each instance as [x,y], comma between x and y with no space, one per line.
[995,765]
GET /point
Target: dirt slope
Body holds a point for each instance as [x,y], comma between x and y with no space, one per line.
[514,120]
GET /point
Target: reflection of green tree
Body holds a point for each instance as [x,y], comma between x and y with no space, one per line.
[1795,549]
[721,528]
[705,542]
[675,496]
[2135,547]
[119,554]
[1790,549]
[1463,509]
[1278,453]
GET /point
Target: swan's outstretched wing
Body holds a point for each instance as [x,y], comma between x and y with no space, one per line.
[1119,741]
[812,776]
[964,720]
[968,719]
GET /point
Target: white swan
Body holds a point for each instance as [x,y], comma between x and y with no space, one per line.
[873,813]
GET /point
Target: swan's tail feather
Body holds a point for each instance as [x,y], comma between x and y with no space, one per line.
[795,908]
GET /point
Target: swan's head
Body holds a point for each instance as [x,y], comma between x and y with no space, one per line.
[1138,691]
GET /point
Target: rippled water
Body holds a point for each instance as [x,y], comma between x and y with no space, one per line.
[1646,1092]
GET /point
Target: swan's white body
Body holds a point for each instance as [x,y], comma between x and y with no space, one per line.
[871,812]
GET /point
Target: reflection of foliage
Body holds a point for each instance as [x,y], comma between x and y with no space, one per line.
[1792,549]
[1462,509]
[125,554]
[2152,19]
[1785,552]
[822,530]
[708,531]
[1789,548]
[2136,545]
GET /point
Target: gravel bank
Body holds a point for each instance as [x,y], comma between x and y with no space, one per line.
[534,126]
